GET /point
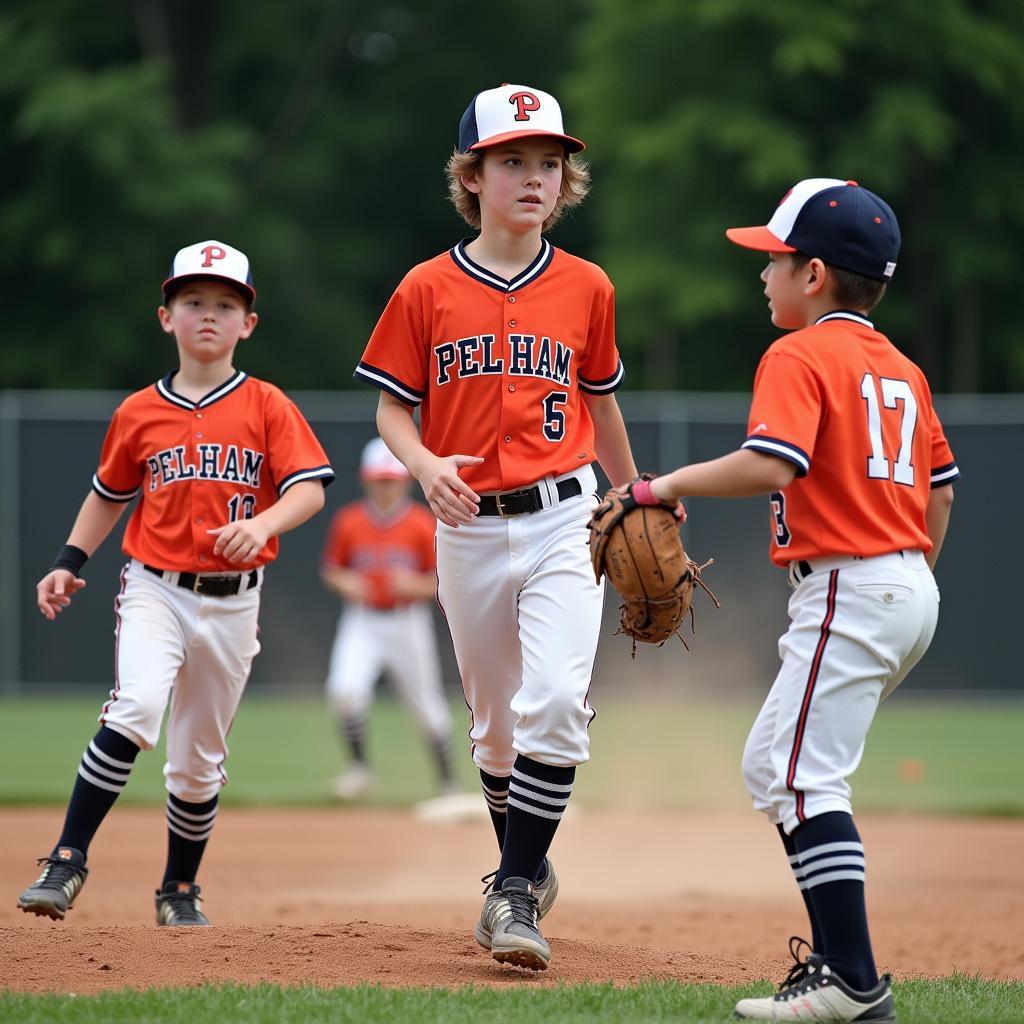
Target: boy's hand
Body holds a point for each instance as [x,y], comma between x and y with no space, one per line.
[643,491]
[55,590]
[241,541]
[450,499]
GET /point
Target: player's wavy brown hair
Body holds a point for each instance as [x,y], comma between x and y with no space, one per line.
[575,186]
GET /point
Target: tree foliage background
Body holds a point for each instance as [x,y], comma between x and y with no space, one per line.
[313,134]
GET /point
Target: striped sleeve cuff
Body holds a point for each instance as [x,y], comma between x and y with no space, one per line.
[392,385]
[943,475]
[606,386]
[121,497]
[323,473]
[782,450]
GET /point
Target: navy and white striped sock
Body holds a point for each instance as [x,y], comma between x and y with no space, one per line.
[189,826]
[442,750]
[496,797]
[829,868]
[353,729]
[794,863]
[102,774]
[537,797]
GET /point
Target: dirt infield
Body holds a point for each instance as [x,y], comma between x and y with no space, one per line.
[339,897]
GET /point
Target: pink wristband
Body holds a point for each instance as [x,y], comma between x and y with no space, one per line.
[642,493]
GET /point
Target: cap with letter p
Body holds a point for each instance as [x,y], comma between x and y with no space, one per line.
[210,260]
[512,112]
[377,463]
[838,221]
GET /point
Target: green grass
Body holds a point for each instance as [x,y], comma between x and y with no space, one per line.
[957,757]
[960,999]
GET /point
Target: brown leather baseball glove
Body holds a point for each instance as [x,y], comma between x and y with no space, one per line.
[636,544]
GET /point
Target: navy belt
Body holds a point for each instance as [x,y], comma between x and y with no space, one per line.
[517,503]
[211,586]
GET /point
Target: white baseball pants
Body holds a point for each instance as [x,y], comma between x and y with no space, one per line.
[170,640]
[525,614]
[400,641]
[857,628]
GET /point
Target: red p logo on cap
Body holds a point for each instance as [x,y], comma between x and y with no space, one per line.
[212,252]
[525,103]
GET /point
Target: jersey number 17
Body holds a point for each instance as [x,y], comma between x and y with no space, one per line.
[893,392]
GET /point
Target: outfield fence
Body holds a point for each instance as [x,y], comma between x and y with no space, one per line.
[50,441]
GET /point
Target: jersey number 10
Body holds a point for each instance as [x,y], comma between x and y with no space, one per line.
[893,392]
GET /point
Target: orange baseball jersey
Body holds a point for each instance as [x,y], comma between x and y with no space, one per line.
[361,539]
[497,366]
[855,416]
[199,465]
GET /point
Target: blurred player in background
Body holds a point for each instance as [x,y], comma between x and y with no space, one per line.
[379,558]
[222,464]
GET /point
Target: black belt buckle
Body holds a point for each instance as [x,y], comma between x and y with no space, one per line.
[217,586]
[211,586]
[517,503]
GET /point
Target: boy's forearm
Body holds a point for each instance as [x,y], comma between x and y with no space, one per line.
[611,442]
[300,502]
[95,519]
[400,433]
[740,474]
[936,518]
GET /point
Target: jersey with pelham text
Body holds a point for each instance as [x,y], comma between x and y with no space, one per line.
[199,465]
[497,367]
[374,544]
[855,416]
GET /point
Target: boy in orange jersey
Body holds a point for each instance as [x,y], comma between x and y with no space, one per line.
[222,464]
[843,436]
[379,557]
[507,345]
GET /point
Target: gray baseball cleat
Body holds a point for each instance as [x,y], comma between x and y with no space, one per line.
[508,926]
[54,892]
[546,890]
[178,904]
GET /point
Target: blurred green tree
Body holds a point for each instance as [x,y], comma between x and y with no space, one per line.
[313,135]
[701,113]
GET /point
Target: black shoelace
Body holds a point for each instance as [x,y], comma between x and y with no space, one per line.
[523,906]
[60,872]
[800,968]
[488,879]
[183,905]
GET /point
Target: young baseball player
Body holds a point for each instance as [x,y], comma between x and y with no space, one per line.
[222,464]
[380,558]
[843,436]
[507,347]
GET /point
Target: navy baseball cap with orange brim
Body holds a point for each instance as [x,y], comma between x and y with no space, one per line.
[512,112]
[838,221]
[210,260]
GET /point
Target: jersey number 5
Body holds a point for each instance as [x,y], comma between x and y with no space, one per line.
[893,392]
[554,415]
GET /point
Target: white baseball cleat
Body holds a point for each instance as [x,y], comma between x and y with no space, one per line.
[819,994]
[355,783]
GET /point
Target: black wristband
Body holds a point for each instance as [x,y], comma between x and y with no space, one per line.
[70,558]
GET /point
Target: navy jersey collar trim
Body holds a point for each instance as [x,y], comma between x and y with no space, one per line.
[478,273]
[163,389]
[845,314]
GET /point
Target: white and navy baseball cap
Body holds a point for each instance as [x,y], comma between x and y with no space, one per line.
[512,112]
[377,463]
[211,260]
[837,221]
